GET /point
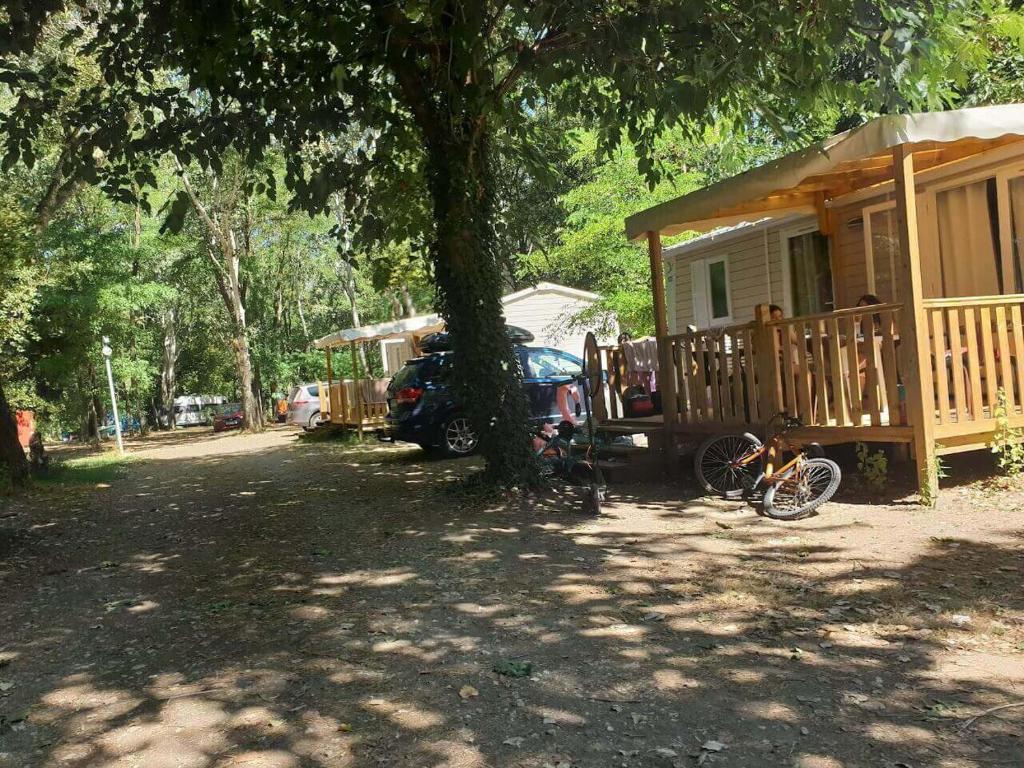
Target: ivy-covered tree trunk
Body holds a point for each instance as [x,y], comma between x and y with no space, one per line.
[11,452]
[487,376]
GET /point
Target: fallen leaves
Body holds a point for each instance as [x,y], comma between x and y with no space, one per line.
[468,692]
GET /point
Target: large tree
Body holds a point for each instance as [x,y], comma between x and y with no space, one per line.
[432,87]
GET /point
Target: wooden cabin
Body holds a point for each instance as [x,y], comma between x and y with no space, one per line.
[360,403]
[924,211]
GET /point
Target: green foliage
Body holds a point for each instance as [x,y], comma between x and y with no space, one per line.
[929,495]
[19,281]
[873,467]
[1008,441]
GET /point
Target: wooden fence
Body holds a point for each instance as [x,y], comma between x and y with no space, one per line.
[839,369]
[354,406]
[976,344]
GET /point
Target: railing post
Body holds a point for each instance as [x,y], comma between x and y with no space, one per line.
[357,391]
[330,387]
[765,362]
[917,376]
[666,362]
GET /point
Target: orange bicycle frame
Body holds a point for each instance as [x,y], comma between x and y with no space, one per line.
[772,449]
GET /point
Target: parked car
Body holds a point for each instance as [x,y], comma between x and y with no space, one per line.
[304,405]
[422,410]
[227,416]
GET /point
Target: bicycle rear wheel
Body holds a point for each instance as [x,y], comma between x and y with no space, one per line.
[721,468]
[802,489]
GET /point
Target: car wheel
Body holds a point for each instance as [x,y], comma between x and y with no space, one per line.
[314,419]
[458,438]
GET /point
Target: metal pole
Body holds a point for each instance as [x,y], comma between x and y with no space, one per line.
[113,397]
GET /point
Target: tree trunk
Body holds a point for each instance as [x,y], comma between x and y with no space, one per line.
[486,373]
[243,365]
[11,452]
[251,420]
[407,303]
[169,363]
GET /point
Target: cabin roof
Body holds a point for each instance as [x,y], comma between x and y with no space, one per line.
[856,159]
[419,325]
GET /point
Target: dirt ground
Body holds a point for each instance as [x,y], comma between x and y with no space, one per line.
[273,603]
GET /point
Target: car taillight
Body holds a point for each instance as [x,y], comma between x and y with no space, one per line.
[408,395]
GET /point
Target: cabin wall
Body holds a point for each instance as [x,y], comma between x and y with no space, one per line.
[755,275]
[849,254]
[547,314]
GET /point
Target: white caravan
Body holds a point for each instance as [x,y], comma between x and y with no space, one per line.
[195,410]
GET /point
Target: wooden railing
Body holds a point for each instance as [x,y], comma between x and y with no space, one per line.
[715,375]
[351,406]
[837,369]
[976,345]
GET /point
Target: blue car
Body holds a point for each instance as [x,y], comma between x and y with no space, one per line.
[422,410]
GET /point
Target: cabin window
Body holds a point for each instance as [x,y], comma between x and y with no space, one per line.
[881,249]
[712,297]
[969,257]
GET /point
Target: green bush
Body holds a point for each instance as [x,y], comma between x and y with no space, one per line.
[1007,442]
[873,467]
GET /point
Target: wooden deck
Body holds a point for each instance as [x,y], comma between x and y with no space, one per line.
[842,373]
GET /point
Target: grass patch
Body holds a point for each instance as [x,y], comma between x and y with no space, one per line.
[98,469]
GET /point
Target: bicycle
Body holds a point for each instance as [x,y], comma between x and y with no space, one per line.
[733,466]
[559,459]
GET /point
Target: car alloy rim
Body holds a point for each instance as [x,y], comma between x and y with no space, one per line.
[460,436]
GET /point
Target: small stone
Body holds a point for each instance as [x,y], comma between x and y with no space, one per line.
[666,752]
[712,746]
[960,619]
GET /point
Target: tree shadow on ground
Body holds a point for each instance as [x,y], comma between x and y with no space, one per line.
[313,607]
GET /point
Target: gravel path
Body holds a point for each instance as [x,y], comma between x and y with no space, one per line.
[268,603]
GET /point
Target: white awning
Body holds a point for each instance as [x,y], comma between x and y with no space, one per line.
[854,159]
[404,328]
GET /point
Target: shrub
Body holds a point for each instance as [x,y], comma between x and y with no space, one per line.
[873,467]
[1007,442]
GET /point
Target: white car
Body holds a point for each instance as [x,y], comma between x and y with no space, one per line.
[304,406]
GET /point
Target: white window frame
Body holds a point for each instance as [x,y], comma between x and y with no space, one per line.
[701,291]
[869,249]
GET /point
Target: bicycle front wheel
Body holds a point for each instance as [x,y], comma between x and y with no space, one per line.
[726,465]
[802,489]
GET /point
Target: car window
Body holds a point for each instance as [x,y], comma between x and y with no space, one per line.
[417,371]
[551,363]
[314,390]
[193,408]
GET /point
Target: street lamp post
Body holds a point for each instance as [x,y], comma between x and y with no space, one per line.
[113,397]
